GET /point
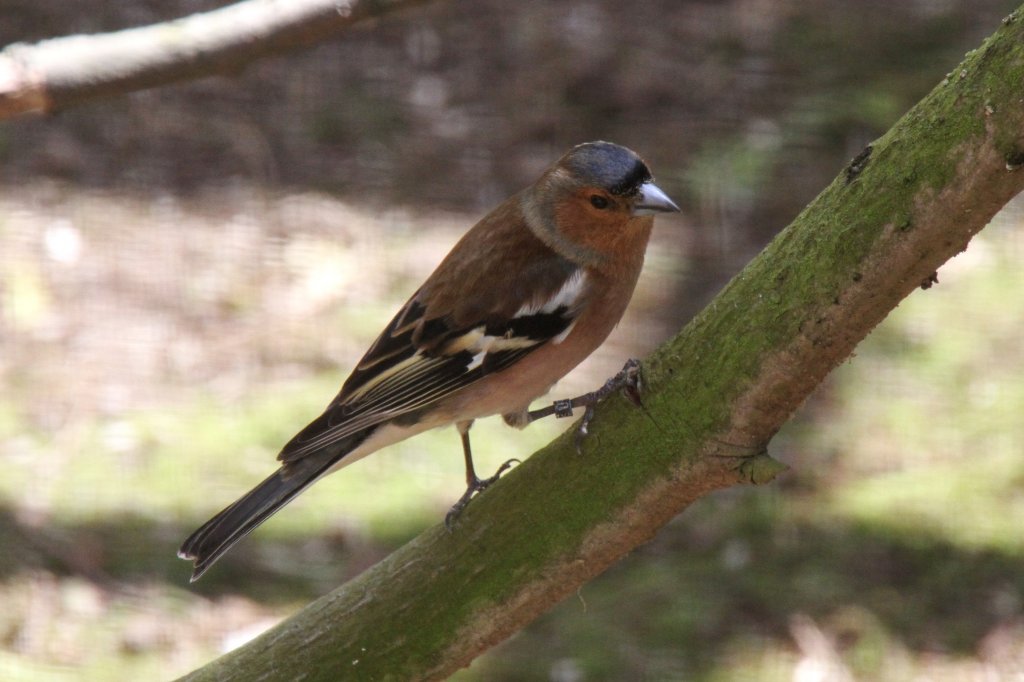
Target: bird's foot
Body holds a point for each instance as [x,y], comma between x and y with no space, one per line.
[476,486]
[628,380]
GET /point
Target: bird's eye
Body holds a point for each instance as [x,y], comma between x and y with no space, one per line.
[598,201]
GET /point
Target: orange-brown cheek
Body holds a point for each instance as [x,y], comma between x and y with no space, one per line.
[574,222]
[595,232]
[607,233]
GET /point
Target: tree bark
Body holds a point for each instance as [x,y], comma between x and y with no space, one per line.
[714,397]
[61,72]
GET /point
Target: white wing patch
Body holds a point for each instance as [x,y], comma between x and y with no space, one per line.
[564,297]
[491,344]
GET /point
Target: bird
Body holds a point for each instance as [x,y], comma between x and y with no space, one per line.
[523,297]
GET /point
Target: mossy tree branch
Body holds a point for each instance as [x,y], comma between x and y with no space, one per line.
[61,72]
[715,396]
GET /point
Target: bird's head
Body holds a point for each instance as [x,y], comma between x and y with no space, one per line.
[597,198]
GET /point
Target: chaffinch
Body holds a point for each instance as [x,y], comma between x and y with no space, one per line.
[528,293]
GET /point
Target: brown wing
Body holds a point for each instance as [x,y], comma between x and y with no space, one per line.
[464,323]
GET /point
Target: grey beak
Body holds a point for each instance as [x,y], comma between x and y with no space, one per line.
[653,200]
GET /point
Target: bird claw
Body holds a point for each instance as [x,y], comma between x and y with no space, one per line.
[632,385]
[628,380]
[476,486]
[582,431]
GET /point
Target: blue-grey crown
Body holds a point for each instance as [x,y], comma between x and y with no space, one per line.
[610,166]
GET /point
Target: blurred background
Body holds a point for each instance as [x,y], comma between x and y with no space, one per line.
[187,275]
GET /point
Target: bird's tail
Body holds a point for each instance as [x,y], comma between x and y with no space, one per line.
[220,533]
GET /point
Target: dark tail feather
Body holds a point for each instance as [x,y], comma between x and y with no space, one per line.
[220,533]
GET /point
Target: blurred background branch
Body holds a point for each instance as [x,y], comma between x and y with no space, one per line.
[62,72]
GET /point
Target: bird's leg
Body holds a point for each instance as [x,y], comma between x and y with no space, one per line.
[627,379]
[474,484]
